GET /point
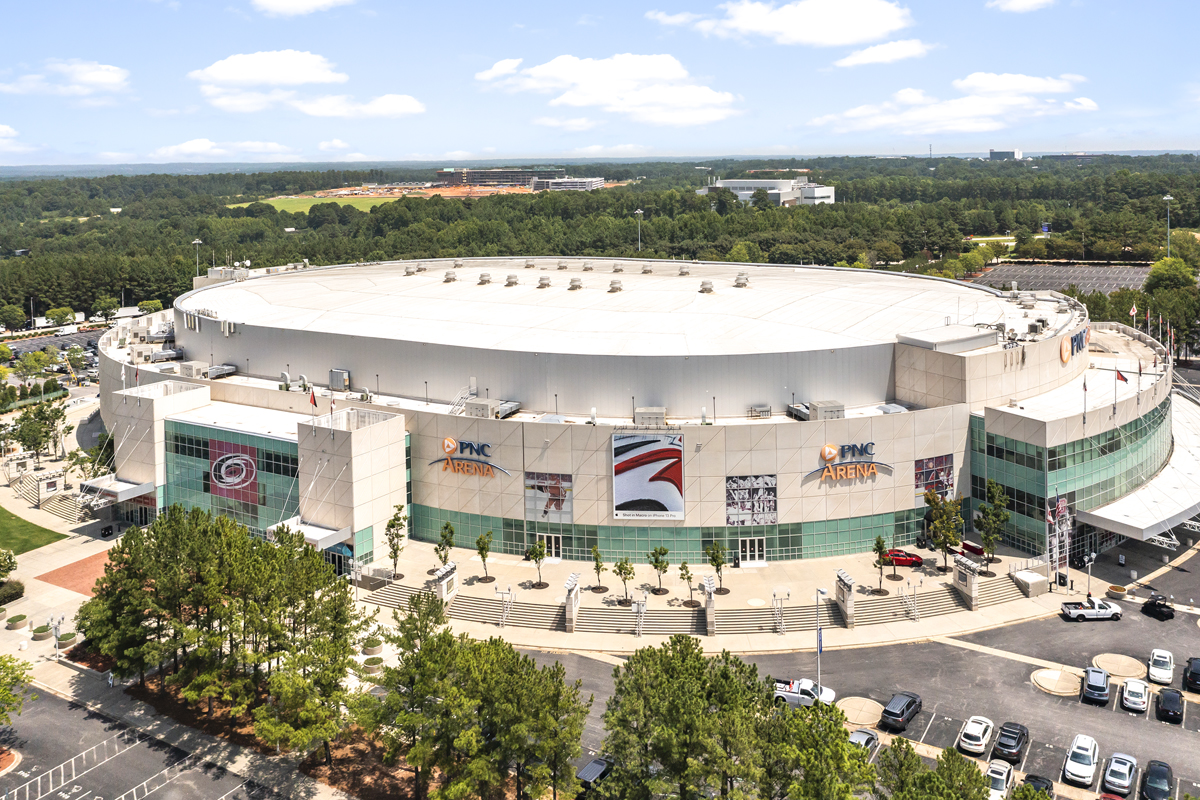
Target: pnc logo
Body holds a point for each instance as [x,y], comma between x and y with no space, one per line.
[854,461]
[460,461]
[449,446]
[829,452]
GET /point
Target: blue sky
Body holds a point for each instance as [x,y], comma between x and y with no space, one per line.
[318,80]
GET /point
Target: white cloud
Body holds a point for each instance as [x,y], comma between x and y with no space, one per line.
[71,78]
[341,105]
[200,149]
[573,124]
[505,66]
[885,53]
[9,143]
[270,67]
[821,23]
[333,144]
[654,89]
[243,102]
[611,151]
[1019,6]
[292,8]
[991,102]
[7,132]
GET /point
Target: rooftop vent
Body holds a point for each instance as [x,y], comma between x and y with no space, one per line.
[706,287]
[618,268]
[410,270]
[576,283]
[511,281]
[587,266]
[614,286]
[562,265]
[420,267]
[684,270]
[458,262]
[741,281]
[529,263]
[646,269]
[485,278]
[544,282]
[450,276]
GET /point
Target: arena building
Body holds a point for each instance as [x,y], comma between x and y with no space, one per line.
[787,413]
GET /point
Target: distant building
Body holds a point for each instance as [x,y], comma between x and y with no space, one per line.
[566,184]
[497,177]
[1078,158]
[782,192]
[1004,155]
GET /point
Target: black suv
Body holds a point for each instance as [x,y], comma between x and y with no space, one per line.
[1191,675]
[1158,606]
[900,710]
[1011,741]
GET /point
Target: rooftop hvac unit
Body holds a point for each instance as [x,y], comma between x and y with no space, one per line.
[511,280]
[817,410]
[562,265]
[614,286]
[485,278]
[741,281]
[483,409]
[220,371]
[166,355]
[706,287]
[451,277]
[410,270]
[193,369]
[339,380]
[529,263]
[544,282]
[646,269]
[684,270]
[587,266]
[618,268]
[576,283]
[141,353]
[651,415]
[759,411]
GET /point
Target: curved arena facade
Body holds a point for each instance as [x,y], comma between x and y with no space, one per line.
[626,405]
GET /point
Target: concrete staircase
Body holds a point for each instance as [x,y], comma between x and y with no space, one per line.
[67,505]
[994,591]
[796,619]
[657,622]
[26,487]
[480,609]
[932,602]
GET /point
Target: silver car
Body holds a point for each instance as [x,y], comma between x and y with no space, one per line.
[1135,695]
[1120,775]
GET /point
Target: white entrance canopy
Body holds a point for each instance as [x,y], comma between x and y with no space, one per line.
[1170,497]
[115,489]
[315,535]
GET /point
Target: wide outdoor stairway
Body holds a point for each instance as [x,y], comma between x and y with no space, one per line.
[67,505]
[481,609]
[994,591]
[762,620]
[932,602]
[26,487]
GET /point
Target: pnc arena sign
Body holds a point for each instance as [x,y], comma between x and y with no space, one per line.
[1075,343]
[848,461]
[467,458]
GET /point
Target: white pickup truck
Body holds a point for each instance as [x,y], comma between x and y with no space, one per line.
[1092,608]
[801,693]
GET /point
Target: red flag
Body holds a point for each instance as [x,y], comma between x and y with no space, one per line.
[1085,384]
[1133,310]
[137,374]
[312,398]
[1121,377]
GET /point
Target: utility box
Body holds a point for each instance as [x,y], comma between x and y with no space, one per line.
[826,409]
[651,415]
[141,353]
[483,409]
[339,380]
[193,369]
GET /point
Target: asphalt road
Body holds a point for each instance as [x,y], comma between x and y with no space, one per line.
[957,683]
[78,754]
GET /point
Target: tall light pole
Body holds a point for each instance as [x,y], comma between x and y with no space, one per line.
[820,593]
[1167,198]
[639,213]
[197,243]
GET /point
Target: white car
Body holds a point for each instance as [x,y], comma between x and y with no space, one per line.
[1135,695]
[1120,775]
[1000,779]
[1161,667]
[1082,759]
[975,735]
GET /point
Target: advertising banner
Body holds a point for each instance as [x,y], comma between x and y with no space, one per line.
[548,497]
[935,473]
[647,476]
[751,500]
[233,471]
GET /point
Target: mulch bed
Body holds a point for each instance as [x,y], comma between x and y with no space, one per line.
[691,603]
[83,656]
[487,579]
[358,770]
[7,757]
[660,592]
[217,724]
[599,589]
[540,585]
[624,603]
[894,577]
[721,590]
[880,592]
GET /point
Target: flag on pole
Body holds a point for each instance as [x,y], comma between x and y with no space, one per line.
[1121,377]
[1133,310]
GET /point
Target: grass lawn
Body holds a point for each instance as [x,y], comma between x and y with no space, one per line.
[295,204]
[21,536]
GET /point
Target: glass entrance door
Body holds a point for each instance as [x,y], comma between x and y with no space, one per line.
[553,544]
[753,551]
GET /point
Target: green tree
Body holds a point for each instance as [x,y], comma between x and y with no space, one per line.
[993,519]
[736,703]
[483,546]
[75,358]
[830,767]
[1169,273]
[150,306]
[32,433]
[881,558]
[15,677]
[31,365]
[685,575]
[12,317]
[536,553]
[946,524]
[106,307]
[623,569]
[562,713]
[961,776]
[899,770]
[8,564]
[5,353]
[761,200]
[716,559]
[1027,792]
[394,534]
[445,543]
[658,562]
[598,563]
[61,316]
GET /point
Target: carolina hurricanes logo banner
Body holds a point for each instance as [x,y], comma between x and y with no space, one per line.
[647,476]
[233,472]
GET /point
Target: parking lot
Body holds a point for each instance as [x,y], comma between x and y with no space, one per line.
[80,339]
[70,752]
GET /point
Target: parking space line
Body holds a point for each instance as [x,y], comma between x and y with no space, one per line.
[932,717]
[162,778]
[32,790]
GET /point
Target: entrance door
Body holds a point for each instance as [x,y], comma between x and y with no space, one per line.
[752,551]
[553,544]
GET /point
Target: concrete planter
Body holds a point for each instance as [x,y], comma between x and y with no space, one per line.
[3,614]
[372,651]
[373,666]
[40,635]
[1116,593]
[18,622]
[67,642]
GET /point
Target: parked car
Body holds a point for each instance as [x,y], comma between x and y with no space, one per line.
[1041,784]
[1191,675]
[1158,781]
[1011,742]
[1168,705]
[1120,775]
[865,738]
[1092,608]
[903,558]
[593,773]
[801,693]
[1158,606]
[1161,667]
[1135,695]
[900,710]
[975,735]
[1082,759]
[1095,685]
[1000,779]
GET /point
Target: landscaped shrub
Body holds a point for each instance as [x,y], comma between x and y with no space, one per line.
[67,637]
[42,629]
[17,618]
[11,590]
[372,642]
[374,661]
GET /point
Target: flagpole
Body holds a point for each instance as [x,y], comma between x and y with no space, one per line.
[1116,372]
